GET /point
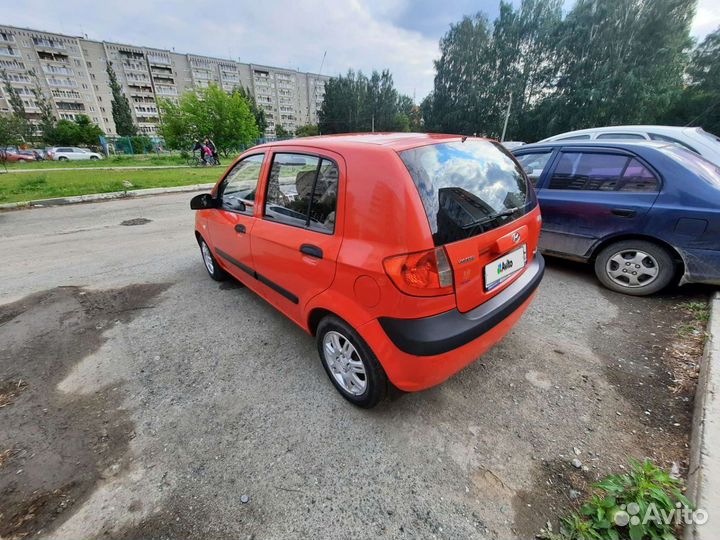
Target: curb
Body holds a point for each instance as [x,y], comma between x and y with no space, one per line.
[77,199]
[704,472]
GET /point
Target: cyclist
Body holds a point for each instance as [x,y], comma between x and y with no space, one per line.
[211,145]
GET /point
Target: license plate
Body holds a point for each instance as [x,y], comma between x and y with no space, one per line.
[500,269]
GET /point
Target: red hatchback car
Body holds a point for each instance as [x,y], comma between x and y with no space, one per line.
[406,255]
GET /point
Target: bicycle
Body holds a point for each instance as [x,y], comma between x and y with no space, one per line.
[197,161]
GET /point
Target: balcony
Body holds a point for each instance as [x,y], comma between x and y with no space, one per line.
[134,66]
[157,59]
[167,79]
[6,38]
[59,57]
[57,70]
[46,43]
[70,106]
[9,51]
[64,83]
[130,55]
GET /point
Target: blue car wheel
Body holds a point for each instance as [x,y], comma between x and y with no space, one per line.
[635,267]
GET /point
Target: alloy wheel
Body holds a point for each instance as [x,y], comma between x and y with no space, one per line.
[344,363]
[207,258]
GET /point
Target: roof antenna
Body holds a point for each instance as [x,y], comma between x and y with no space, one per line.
[464,138]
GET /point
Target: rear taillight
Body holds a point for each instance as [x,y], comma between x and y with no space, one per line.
[426,273]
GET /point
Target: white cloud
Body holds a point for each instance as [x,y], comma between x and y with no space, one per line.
[707,18]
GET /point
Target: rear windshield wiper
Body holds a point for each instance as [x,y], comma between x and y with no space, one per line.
[492,217]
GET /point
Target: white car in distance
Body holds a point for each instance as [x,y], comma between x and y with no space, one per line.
[71,153]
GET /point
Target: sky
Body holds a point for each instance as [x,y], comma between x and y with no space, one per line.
[400,35]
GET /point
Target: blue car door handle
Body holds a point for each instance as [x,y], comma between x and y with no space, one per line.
[624,212]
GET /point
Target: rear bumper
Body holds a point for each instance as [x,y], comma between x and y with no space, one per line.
[420,353]
[448,331]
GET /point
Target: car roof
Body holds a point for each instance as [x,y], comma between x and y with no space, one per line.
[626,128]
[345,141]
[608,144]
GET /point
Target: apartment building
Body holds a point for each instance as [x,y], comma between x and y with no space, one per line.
[72,72]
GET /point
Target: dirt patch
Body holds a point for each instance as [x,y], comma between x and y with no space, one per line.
[136,221]
[56,445]
[657,375]
[558,487]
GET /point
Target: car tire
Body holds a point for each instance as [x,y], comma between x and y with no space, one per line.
[94,158]
[634,267]
[350,364]
[62,158]
[211,265]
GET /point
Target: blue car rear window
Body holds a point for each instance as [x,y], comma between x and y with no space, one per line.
[703,168]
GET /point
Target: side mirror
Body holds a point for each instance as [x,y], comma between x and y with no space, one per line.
[202,202]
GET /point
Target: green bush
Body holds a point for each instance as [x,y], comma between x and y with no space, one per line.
[616,508]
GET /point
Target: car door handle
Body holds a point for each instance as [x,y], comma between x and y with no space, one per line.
[623,212]
[312,251]
[240,229]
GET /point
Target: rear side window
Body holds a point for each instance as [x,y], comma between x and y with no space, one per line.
[533,165]
[467,188]
[574,138]
[302,192]
[602,172]
[703,168]
[664,138]
[621,136]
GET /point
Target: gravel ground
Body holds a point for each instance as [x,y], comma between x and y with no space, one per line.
[138,398]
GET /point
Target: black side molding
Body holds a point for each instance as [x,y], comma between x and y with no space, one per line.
[262,279]
[244,267]
[448,331]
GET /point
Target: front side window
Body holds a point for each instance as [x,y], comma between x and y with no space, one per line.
[602,172]
[467,188]
[237,192]
[302,192]
[533,164]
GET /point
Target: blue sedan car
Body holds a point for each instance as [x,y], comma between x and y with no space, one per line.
[641,212]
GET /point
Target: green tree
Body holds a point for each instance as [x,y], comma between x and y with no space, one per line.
[258,112]
[122,115]
[309,130]
[20,123]
[47,120]
[704,68]
[211,112]
[88,132]
[699,102]
[483,66]
[65,133]
[354,103]
[11,128]
[621,61]
[81,131]
[281,132]
[607,62]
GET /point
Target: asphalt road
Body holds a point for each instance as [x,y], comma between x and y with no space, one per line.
[147,400]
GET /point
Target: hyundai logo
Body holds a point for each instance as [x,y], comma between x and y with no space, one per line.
[516,237]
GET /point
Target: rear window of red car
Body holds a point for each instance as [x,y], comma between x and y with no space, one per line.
[467,188]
